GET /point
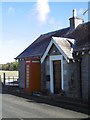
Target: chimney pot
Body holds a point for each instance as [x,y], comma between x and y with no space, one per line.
[74,20]
[74,13]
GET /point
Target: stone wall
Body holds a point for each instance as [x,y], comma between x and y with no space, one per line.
[71,74]
[21,73]
[71,79]
[85,66]
[43,76]
[76,75]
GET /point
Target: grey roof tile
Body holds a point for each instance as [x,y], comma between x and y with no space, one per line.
[38,47]
[80,34]
[64,45]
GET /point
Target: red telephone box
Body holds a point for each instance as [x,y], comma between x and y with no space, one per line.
[32,75]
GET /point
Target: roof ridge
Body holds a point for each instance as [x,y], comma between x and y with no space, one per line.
[55,31]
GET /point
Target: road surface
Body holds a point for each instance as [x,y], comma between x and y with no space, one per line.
[17,107]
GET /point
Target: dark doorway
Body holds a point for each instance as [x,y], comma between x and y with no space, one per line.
[57,76]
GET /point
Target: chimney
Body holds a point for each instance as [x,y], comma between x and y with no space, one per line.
[75,21]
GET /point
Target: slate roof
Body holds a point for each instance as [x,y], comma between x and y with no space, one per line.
[64,46]
[80,34]
[38,47]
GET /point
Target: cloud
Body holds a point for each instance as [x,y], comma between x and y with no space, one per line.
[80,11]
[42,9]
[57,24]
[11,10]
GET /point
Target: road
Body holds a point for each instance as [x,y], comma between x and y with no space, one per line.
[17,107]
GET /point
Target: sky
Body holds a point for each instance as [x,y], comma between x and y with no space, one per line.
[23,22]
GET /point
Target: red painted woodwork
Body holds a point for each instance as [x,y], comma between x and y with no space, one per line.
[34,75]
